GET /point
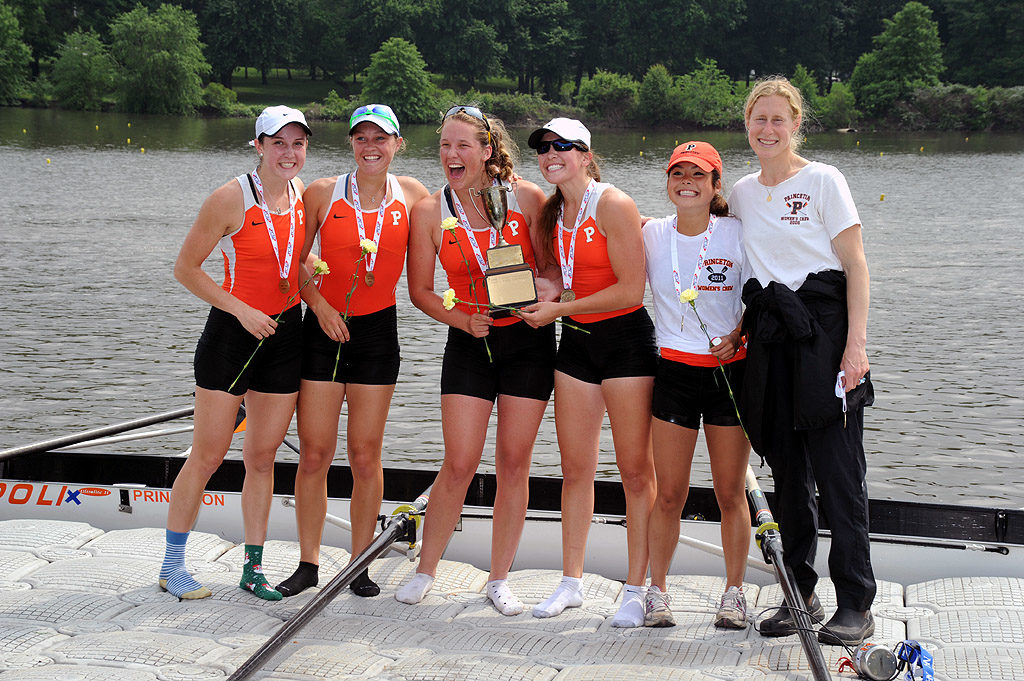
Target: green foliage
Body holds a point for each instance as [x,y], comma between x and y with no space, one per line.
[804,81]
[220,100]
[836,109]
[657,100]
[83,75]
[985,41]
[514,108]
[907,57]
[959,107]
[397,76]
[709,98]
[334,107]
[606,94]
[160,60]
[14,57]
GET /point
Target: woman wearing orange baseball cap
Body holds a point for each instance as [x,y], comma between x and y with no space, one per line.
[697,254]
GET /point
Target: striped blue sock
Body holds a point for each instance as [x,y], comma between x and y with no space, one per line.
[176,578]
[174,554]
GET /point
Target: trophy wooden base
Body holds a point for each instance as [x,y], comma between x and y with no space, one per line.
[511,286]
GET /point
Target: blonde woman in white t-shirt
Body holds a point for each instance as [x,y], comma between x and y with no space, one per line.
[697,249]
[806,382]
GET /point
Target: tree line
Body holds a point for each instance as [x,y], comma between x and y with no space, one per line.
[641,60]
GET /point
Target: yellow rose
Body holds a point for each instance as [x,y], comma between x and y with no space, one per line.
[449,299]
[449,224]
[320,267]
[688,296]
[367,246]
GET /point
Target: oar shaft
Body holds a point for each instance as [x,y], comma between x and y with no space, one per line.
[87,435]
[771,546]
[395,529]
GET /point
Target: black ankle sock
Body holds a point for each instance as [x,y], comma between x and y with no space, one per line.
[305,576]
[363,586]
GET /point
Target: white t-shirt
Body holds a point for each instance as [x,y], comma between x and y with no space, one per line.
[789,237]
[719,282]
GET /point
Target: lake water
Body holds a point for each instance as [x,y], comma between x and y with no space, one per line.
[94,329]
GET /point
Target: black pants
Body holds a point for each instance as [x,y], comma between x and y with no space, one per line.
[833,458]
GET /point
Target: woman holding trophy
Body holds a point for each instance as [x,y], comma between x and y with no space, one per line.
[488,358]
[608,364]
[350,335]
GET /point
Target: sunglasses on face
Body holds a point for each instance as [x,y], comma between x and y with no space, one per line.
[376,110]
[559,145]
[470,111]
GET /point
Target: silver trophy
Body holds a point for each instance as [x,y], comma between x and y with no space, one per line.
[509,279]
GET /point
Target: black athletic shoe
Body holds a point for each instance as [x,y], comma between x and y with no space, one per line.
[782,622]
[847,627]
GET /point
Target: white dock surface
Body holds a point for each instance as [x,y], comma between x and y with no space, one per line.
[80,604]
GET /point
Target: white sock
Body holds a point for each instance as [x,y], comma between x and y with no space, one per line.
[567,595]
[504,600]
[631,611]
[415,589]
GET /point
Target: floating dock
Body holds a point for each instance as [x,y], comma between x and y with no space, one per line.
[80,604]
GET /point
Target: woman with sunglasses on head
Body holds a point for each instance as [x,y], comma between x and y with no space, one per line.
[697,248]
[486,360]
[350,335]
[807,380]
[592,230]
[258,221]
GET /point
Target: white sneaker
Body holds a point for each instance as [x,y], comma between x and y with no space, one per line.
[732,612]
[656,610]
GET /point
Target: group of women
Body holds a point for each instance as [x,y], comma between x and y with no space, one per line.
[798,264]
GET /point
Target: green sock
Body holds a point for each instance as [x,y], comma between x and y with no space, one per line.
[252,574]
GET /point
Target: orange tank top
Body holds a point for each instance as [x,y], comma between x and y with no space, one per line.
[516,232]
[251,270]
[592,270]
[338,239]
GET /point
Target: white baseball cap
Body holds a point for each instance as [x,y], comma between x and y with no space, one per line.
[569,129]
[274,118]
[380,115]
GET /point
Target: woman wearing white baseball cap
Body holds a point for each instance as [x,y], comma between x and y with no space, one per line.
[609,368]
[252,344]
[350,335]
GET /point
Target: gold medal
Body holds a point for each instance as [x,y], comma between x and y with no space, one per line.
[568,295]
[370,279]
[283,285]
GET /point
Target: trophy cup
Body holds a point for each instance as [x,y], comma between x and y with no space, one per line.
[509,279]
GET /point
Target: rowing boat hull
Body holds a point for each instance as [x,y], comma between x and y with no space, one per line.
[912,543]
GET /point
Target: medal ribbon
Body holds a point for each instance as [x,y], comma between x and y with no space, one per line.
[464,223]
[282,269]
[359,219]
[568,264]
[700,259]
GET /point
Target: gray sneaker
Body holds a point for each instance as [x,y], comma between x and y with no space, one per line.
[656,610]
[732,613]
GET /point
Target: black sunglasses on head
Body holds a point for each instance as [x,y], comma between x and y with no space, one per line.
[559,145]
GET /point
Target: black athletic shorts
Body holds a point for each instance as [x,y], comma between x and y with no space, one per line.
[523,363]
[225,346]
[684,393]
[615,348]
[370,356]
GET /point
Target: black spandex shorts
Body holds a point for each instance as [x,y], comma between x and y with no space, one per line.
[523,366]
[615,348]
[684,393]
[369,357]
[225,346]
